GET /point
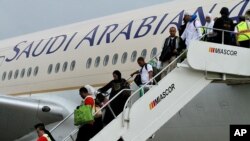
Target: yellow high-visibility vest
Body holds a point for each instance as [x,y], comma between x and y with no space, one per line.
[243,31]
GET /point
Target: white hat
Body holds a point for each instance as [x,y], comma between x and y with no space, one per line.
[91,90]
[209,15]
[187,13]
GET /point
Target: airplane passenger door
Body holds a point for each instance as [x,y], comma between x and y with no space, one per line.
[1,59]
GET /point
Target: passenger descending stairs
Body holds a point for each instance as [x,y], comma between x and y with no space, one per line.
[143,116]
[156,107]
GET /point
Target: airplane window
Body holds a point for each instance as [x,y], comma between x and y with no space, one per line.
[16,74]
[22,73]
[29,72]
[57,67]
[115,58]
[133,56]
[144,53]
[97,61]
[89,61]
[10,75]
[153,52]
[50,69]
[36,70]
[72,65]
[65,65]
[124,57]
[106,60]
[4,76]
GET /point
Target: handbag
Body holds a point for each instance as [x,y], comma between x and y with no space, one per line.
[83,115]
[137,80]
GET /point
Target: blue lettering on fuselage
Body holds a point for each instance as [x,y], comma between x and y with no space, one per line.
[107,34]
[125,31]
[16,52]
[90,37]
[144,25]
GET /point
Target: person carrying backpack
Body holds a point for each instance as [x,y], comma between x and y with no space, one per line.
[224,23]
[87,130]
[144,74]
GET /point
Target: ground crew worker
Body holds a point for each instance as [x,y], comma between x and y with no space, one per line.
[243,32]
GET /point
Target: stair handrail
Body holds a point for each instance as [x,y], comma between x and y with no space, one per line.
[223,33]
[145,85]
[169,65]
[152,79]
[68,116]
[76,130]
[104,106]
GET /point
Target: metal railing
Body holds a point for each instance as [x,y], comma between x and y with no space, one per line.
[67,117]
[103,107]
[70,136]
[129,103]
[223,34]
[224,77]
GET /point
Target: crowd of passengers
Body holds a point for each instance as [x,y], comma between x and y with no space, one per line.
[238,34]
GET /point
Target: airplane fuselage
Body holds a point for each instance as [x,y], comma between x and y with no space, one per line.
[87,53]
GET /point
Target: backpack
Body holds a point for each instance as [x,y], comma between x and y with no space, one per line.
[137,80]
[155,72]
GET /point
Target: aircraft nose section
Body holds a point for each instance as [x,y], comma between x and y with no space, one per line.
[49,112]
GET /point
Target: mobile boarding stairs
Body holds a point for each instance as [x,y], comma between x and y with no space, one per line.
[205,63]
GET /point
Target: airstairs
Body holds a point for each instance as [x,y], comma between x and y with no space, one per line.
[144,115]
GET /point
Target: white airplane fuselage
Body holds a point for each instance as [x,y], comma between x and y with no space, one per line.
[69,57]
[26,60]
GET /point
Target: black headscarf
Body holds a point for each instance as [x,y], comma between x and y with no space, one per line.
[224,11]
[118,73]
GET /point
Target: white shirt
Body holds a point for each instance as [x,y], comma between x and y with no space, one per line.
[192,32]
[209,25]
[145,73]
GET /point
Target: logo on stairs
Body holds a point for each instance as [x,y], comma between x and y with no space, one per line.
[164,94]
[222,51]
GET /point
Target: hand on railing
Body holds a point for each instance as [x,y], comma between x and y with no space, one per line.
[129,101]
[103,107]
[105,104]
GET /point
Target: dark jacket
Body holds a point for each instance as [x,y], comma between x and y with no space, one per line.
[224,23]
[118,103]
[168,50]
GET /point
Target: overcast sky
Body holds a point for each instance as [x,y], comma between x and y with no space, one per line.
[19,17]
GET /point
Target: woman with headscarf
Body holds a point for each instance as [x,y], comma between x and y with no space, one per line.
[208,28]
[116,85]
